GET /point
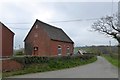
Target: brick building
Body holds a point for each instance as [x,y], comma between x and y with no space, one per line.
[6,41]
[46,40]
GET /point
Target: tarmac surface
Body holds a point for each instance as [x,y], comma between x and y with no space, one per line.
[99,69]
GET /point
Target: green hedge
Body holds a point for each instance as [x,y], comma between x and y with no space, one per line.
[27,60]
[35,64]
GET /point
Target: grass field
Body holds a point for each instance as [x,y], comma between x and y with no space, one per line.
[105,51]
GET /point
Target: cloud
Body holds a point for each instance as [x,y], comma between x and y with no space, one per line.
[59,1]
[43,14]
[27,12]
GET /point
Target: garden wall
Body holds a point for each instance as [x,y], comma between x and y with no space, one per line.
[10,65]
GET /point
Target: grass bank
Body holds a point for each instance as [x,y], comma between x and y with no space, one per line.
[51,65]
[113,60]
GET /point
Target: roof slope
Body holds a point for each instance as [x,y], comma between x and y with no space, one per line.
[55,33]
[2,25]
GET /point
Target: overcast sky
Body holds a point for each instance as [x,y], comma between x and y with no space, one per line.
[20,16]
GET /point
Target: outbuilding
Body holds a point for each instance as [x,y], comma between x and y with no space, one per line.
[6,41]
[46,40]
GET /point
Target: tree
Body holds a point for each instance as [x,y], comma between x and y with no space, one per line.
[109,25]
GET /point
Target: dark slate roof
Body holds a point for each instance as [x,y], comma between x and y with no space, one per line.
[55,33]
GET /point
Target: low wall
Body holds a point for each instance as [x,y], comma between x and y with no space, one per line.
[10,65]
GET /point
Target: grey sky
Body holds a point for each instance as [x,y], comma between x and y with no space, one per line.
[49,12]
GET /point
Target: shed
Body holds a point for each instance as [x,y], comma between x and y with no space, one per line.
[6,41]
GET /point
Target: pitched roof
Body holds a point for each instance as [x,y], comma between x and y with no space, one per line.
[6,27]
[54,33]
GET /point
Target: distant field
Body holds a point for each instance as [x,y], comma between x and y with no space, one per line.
[110,53]
[98,49]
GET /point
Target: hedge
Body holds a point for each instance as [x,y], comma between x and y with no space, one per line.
[33,64]
[27,60]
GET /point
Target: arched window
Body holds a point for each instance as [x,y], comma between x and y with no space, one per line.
[59,50]
[68,50]
[35,50]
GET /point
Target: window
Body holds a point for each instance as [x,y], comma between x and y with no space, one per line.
[35,48]
[36,26]
[59,50]
[68,50]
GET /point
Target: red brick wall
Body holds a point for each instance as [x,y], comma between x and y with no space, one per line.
[7,42]
[41,41]
[10,65]
[46,47]
[64,45]
[0,40]
[0,65]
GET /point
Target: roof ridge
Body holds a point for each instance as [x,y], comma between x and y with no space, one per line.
[59,35]
[53,32]
[47,24]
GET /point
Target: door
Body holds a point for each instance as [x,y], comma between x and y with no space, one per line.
[35,50]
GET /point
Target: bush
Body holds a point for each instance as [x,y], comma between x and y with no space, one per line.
[52,61]
[26,60]
[33,64]
[19,53]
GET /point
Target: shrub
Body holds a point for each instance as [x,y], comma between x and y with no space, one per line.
[19,52]
[52,61]
[33,64]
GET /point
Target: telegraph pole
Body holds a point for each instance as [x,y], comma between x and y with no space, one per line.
[110,48]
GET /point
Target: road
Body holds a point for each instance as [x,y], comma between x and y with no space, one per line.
[99,69]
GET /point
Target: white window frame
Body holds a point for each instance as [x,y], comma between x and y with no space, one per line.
[68,52]
[59,49]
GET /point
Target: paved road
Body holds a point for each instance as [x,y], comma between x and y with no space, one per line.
[99,69]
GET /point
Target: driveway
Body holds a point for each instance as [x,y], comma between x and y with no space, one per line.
[99,69]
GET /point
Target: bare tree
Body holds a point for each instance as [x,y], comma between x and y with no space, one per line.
[108,25]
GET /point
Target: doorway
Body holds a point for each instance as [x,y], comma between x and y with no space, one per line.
[35,50]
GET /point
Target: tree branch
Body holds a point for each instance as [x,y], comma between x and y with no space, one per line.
[106,25]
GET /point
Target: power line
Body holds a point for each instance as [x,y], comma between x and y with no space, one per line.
[19,23]
[66,21]
[20,28]
[61,21]
[77,20]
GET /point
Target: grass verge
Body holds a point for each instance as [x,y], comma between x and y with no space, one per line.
[50,66]
[112,60]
